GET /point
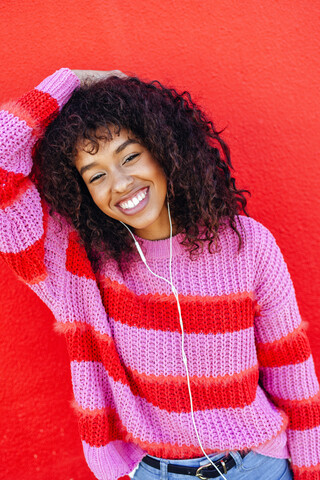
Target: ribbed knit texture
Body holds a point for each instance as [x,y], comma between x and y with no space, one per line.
[243,331]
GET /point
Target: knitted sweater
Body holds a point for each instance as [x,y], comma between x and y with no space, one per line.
[251,371]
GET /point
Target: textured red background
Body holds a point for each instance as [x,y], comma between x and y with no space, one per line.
[254,67]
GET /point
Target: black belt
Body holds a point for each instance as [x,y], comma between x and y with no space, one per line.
[203,472]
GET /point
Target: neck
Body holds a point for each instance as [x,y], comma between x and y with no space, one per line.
[161,233]
[160,229]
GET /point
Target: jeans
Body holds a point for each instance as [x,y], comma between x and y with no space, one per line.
[253,466]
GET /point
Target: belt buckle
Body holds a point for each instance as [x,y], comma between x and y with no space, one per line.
[199,475]
[198,472]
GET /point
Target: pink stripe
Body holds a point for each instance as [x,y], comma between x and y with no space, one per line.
[305,445]
[61,284]
[14,137]
[140,284]
[17,232]
[270,328]
[201,350]
[91,374]
[276,447]
[291,382]
[114,460]
[79,307]
[159,426]
[221,286]
[56,243]
[52,289]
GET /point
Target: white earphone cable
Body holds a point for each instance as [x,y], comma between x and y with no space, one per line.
[175,293]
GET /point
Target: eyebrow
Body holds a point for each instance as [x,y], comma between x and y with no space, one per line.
[125,144]
[87,167]
[116,152]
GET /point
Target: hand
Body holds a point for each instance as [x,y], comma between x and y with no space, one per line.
[97,74]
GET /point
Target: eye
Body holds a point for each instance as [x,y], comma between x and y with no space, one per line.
[131,157]
[93,179]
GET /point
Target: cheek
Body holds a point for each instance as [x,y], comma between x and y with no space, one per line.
[99,199]
[162,183]
[155,172]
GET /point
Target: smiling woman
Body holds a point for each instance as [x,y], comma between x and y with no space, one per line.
[188,354]
[126,183]
[177,147]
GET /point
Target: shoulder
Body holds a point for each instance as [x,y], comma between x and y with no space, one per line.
[258,246]
[254,233]
[250,225]
[267,258]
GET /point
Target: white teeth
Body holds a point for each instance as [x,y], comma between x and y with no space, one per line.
[134,201]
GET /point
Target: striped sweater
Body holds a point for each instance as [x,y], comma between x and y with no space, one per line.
[252,375]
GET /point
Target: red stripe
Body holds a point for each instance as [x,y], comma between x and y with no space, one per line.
[29,263]
[86,345]
[306,473]
[172,394]
[289,350]
[101,427]
[83,346]
[303,414]
[166,392]
[227,313]
[77,261]
[40,105]
[12,186]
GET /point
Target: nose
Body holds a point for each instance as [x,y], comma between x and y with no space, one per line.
[121,182]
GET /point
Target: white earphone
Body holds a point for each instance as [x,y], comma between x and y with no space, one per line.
[175,293]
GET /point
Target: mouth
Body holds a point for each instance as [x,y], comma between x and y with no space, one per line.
[135,203]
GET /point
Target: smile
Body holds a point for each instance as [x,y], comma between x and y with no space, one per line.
[135,202]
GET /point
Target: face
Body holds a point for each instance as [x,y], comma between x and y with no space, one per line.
[127,184]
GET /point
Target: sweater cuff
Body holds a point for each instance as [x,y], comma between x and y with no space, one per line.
[42,104]
[60,85]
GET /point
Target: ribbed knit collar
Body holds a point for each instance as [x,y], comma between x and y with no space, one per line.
[161,248]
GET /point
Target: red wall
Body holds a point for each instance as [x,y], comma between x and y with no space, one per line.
[254,67]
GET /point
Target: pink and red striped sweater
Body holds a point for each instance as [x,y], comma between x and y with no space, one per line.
[252,375]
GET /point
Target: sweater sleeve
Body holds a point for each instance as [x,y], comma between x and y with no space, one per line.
[22,213]
[286,365]
[30,244]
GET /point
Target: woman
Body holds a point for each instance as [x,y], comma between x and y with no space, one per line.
[188,354]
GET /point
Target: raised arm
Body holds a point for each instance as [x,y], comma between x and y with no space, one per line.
[22,214]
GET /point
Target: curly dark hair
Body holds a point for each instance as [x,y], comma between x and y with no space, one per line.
[191,152]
